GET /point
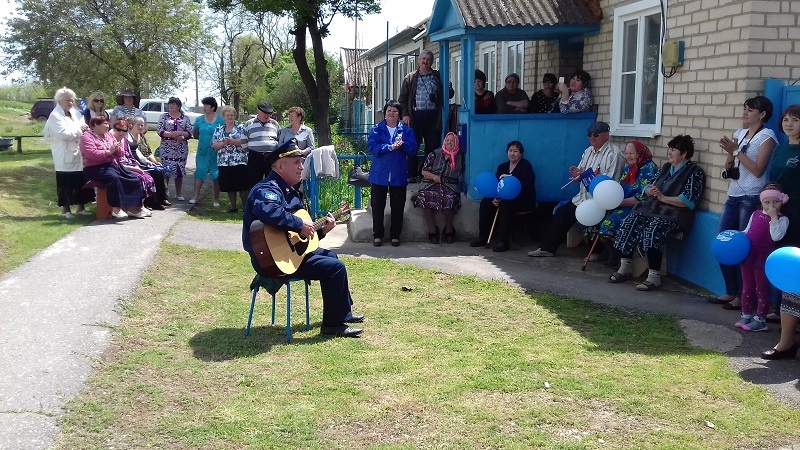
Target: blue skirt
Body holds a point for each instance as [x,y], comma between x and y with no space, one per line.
[123,188]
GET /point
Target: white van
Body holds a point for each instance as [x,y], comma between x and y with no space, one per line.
[154,108]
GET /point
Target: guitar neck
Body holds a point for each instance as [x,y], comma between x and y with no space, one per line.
[319,223]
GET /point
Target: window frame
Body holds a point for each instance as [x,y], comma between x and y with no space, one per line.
[491,73]
[638,11]
[507,68]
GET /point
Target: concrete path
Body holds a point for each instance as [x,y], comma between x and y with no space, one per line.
[56,310]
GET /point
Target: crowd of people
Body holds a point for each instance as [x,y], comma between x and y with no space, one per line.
[554,97]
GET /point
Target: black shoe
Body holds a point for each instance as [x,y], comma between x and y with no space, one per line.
[395,242]
[790,352]
[450,236]
[355,318]
[341,331]
[434,237]
[477,243]
[501,247]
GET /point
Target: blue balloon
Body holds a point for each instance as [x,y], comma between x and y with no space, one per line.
[782,267]
[509,188]
[730,247]
[597,180]
[486,184]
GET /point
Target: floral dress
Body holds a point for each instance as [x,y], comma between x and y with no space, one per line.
[174,153]
[443,195]
[644,177]
[127,159]
[230,155]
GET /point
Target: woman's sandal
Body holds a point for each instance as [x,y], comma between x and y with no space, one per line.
[617,277]
[395,242]
[648,286]
[450,236]
[376,242]
[434,237]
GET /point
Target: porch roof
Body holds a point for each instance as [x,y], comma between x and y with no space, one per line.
[513,19]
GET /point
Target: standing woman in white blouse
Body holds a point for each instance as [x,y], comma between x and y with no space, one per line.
[745,168]
[63,131]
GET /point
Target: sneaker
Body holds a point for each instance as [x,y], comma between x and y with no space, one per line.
[757,324]
[119,215]
[191,201]
[538,253]
[138,215]
[67,215]
[744,321]
[216,204]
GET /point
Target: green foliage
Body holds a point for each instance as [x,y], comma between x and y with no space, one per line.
[284,88]
[105,45]
[24,92]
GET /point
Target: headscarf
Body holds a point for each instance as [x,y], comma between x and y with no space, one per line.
[644,157]
[451,153]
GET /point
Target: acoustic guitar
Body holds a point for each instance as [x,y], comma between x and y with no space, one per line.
[279,253]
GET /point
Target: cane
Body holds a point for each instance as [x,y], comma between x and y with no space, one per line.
[491,231]
[591,250]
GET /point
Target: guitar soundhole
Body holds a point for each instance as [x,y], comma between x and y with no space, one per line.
[300,247]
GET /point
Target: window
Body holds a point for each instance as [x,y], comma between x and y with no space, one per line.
[455,76]
[488,64]
[513,59]
[380,88]
[637,84]
[400,73]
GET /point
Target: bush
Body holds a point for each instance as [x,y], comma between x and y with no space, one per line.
[24,92]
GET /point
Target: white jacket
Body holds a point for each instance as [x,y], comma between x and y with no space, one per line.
[63,134]
[326,164]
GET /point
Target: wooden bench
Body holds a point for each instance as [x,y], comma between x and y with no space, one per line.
[103,210]
[18,138]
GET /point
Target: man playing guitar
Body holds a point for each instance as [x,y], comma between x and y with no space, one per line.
[273,201]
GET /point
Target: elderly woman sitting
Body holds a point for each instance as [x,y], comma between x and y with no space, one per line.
[668,209]
[439,190]
[640,173]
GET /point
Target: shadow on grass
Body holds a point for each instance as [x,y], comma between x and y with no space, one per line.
[223,344]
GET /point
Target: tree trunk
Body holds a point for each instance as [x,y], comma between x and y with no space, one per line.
[319,89]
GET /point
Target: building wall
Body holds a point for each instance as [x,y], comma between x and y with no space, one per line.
[731,46]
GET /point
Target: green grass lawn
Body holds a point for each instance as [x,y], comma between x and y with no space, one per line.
[454,363]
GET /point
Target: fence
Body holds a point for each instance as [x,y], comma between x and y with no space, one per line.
[325,194]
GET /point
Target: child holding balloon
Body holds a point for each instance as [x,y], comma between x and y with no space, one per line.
[766,227]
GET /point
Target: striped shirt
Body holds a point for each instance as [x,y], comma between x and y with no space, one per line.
[260,137]
[608,159]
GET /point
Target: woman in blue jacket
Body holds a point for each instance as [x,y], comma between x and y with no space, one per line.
[390,142]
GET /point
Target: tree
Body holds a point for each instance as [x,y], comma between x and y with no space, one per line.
[105,44]
[285,89]
[250,44]
[311,17]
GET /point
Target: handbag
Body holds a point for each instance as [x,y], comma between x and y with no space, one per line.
[359,174]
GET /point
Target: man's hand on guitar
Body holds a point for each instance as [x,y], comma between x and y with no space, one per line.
[308,229]
[330,222]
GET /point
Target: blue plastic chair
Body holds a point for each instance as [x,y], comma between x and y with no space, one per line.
[273,285]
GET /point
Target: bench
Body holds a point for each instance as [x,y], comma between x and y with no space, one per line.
[103,210]
[18,138]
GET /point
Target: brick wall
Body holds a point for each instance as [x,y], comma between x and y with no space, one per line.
[731,46]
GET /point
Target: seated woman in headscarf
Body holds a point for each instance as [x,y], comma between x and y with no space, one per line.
[441,174]
[640,173]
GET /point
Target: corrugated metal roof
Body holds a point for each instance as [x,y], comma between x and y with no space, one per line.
[482,13]
[356,68]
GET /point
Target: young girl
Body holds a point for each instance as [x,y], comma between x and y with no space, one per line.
[764,229]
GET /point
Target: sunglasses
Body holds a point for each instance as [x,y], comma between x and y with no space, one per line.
[99,100]
[594,135]
[122,130]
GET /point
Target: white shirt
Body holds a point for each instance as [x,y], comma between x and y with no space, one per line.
[749,184]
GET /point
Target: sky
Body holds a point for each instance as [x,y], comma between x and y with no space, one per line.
[371,30]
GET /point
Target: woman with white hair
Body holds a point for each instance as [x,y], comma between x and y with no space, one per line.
[63,131]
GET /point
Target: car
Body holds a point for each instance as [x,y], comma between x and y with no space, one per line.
[42,108]
[154,108]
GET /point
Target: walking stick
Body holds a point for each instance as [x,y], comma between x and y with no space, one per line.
[492,229]
[591,250]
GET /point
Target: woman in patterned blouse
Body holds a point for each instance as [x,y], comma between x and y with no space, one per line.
[576,97]
[231,158]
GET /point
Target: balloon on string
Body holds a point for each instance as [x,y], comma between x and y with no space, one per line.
[782,267]
[597,180]
[508,188]
[608,194]
[730,247]
[486,184]
[589,213]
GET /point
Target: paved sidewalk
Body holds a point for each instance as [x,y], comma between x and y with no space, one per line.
[58,309]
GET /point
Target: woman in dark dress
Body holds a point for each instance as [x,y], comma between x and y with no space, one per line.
[521,169]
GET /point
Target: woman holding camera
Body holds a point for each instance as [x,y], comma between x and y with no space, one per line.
[748,152]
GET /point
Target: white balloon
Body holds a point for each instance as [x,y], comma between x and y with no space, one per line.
[609,194]
[589,212]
